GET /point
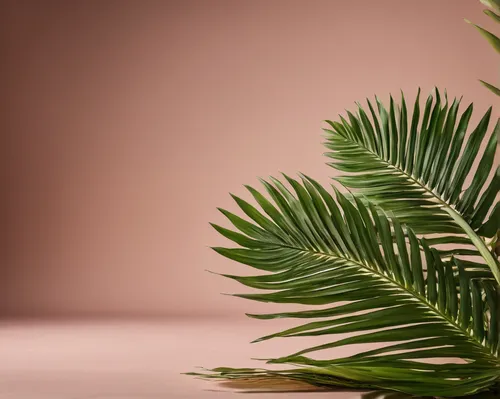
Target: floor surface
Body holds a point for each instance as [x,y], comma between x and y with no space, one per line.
[130,359]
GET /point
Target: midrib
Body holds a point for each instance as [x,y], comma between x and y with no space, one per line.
[412,295]
[454,214]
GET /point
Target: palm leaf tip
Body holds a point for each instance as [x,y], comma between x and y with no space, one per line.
[417,167]
[490,37]
[324,249]
[494,4]
[491,87]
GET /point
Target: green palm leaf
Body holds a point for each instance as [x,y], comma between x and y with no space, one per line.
[490,87]
[490,37]
[494,4]
[319,250]
[416,167]
[492,15]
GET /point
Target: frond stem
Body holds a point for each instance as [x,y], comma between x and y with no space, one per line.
[477,241]
[412,294]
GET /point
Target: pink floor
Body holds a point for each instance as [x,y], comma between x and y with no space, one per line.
[130,359]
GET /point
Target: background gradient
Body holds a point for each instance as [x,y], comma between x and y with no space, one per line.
[126,123]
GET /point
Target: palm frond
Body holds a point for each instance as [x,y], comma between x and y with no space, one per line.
[416,167]
[319,249]
[494,14]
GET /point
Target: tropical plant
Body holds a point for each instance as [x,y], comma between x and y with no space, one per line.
[376,262]
[494,13]
[418,172]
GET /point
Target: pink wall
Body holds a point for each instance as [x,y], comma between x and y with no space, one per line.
[127,123]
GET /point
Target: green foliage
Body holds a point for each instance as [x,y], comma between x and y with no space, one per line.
[494,4]
[490,87]
[376,263]
[321,250]
[490,37]
[416,167]
[371,263]
[494,14]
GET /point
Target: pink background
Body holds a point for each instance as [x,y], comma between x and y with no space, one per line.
[127,123]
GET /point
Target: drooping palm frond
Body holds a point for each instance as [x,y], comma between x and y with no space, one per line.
[416,168]
[319,249]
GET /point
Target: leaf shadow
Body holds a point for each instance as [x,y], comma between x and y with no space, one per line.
[286,385]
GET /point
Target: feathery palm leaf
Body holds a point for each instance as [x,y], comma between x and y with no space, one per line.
[321,250]
[416,168]
[494,14]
